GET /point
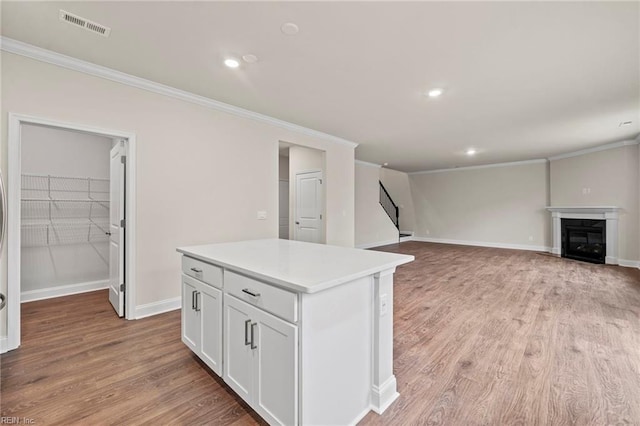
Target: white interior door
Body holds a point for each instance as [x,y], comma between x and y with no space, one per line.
[283,209]
[117,229]
[309,206]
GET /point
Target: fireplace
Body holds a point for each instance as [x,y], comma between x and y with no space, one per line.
[584,239]
[587,233]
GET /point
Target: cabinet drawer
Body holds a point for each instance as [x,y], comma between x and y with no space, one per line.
[203,271]
[272,299]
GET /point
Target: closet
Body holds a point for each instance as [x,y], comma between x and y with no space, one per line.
[64,216]
[64,210]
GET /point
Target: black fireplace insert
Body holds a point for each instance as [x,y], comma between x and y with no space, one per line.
[584,239]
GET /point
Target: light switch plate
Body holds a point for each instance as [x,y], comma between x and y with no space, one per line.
[262,215]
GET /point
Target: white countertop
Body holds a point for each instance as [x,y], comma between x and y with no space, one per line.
[294,265]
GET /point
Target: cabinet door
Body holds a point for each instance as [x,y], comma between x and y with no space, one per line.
[210,305]
[276,369]
[238,366]
[190,317]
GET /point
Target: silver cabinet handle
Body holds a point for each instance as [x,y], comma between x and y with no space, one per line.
[250,293]
[198,301]
[196,270]
[253,346]
[193,299]
[246,333]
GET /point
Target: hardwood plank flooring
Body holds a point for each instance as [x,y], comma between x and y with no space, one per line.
[482,337]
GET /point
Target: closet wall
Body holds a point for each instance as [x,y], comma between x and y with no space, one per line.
[64,212]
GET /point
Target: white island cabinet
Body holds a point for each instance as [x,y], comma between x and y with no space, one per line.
[302,332]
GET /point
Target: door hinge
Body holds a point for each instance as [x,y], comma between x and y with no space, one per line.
[123,159]
[123,223]
[122,287]
[320,181]
[320,216]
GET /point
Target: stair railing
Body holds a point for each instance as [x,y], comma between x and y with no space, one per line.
[389,206]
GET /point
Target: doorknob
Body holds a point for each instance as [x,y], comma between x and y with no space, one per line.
[2,301]
[297,223]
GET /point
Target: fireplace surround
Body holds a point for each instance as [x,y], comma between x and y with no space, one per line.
[583,215]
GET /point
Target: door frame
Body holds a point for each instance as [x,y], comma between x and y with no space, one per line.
[292,220]
[14,187]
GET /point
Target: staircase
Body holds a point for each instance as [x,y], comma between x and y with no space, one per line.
[392,210]
[389,206]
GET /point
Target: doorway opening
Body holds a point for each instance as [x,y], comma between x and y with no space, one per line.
[71,198]
[302,208]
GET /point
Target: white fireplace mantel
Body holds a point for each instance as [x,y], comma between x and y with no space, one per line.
[607,213]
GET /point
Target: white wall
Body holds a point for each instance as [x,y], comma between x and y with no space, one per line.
[373,225]
[64,153]
[283,196]
[283,168]
[494,206]
[397,184]
[604,178]
[202,174]
[48,151]
[302,159]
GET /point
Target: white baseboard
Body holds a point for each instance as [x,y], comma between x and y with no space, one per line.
[629,263]
[4,344]
[63,290]
[361,416]
[382,397]
[482,244]
[377,244]
[156,308]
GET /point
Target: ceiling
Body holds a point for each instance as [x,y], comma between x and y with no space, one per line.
[521,80]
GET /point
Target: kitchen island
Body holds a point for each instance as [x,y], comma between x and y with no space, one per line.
[302,332]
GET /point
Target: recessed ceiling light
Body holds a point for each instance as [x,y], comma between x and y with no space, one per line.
[471,151]
[385,164]
[625,123]
[434,93]
[231,63]
[289,28]
[250,59]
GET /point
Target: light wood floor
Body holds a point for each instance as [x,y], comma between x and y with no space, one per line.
[482,336]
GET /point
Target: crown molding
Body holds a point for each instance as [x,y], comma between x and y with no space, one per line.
[27,50]
[484,166]
[596,149]
[364,163]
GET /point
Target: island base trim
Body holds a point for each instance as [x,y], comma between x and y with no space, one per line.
[382,397]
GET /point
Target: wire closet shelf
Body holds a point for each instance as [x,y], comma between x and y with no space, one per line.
[63,210]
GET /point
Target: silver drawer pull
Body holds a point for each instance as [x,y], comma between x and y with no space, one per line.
[250,293]
[196,270]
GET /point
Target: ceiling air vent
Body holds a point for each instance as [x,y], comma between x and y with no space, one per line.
[84,23]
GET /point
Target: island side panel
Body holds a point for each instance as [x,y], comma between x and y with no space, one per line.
[384,389]
[335,350]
